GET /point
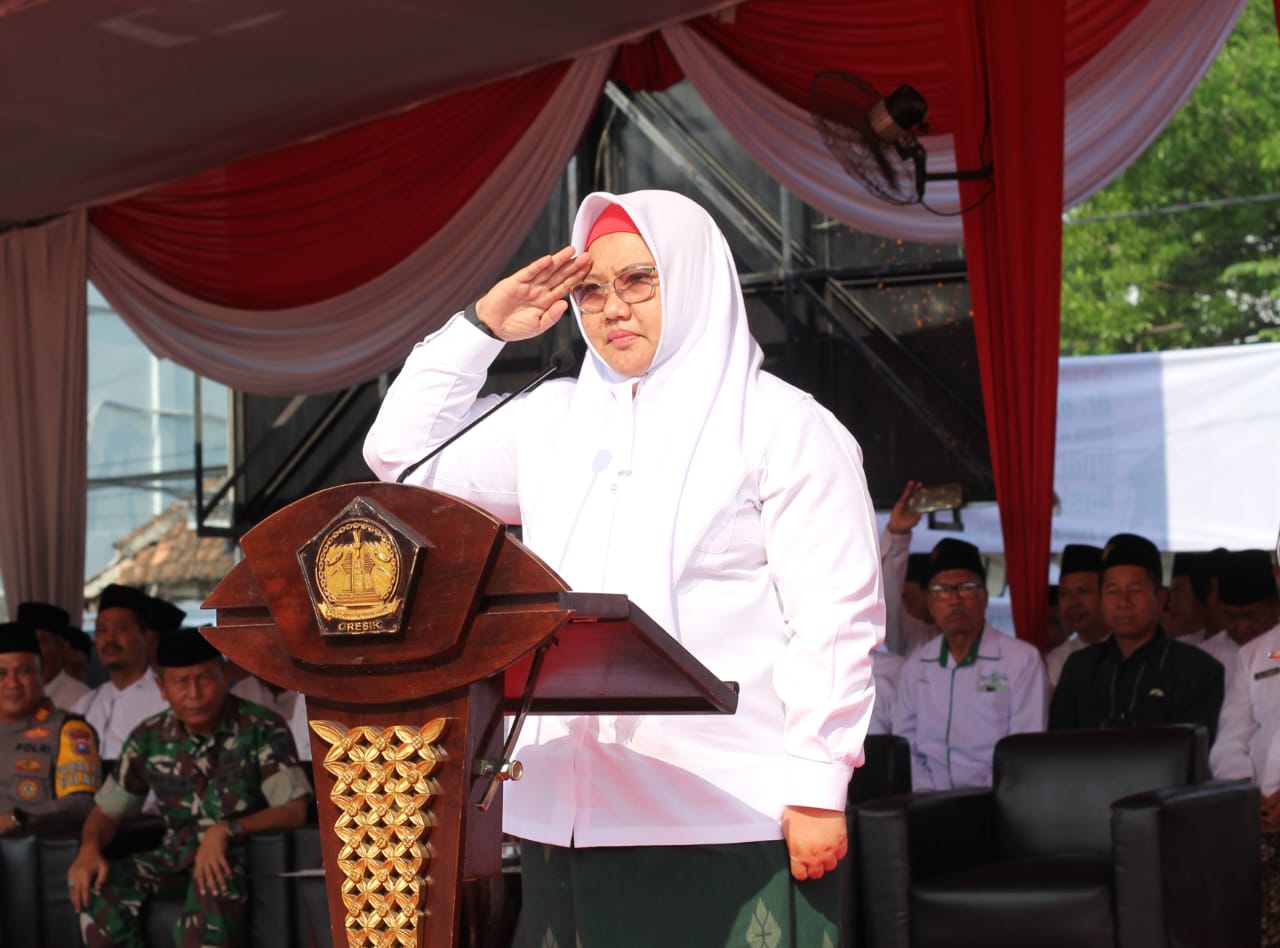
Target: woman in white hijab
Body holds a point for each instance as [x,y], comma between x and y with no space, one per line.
[732,509]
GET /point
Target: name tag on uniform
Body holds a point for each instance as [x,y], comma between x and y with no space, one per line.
[996,681]
[1266,674]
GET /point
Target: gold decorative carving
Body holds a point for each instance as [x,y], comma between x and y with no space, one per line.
[383,787]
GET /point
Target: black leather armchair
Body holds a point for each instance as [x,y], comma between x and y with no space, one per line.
[1087,838]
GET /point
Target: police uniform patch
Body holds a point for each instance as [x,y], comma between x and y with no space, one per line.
[78,768]
[28,765]
[42,712]
[28,789]
[81,739]
[36,733]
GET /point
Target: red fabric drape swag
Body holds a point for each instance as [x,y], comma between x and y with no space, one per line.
[310,222]
[1011,54]
[887,42]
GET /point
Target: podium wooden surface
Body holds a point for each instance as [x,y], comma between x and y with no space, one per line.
[411,621]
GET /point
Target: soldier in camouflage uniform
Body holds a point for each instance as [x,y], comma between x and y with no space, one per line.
[221,768]
[49,766]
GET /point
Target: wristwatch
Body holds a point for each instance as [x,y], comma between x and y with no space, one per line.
[235,829]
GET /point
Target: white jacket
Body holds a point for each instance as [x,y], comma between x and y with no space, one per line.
[1249,725]
[954,714]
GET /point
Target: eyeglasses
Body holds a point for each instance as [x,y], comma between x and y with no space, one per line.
[632,286]
[969,590]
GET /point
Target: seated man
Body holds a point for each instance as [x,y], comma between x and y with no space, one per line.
[125,640]
[51,624]
[1078,605]
[958,696]
[907,622]
[1186,611]
[1250,606]
[221,769]
[48,757]
[1139,676]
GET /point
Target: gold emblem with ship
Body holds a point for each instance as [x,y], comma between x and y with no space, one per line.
[357,569]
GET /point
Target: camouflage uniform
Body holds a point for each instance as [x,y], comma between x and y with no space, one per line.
[247,764]
[49,764]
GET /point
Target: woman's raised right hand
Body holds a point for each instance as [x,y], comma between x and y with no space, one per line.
[532,299]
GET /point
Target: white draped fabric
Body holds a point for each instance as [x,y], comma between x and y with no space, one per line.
[1117,103]
[43,313]
[350,338]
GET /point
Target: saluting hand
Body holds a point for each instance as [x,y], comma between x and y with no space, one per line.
[531,300]
[816,839]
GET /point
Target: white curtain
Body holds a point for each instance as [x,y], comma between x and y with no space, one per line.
[350,338]
[1117,103]
[43,313]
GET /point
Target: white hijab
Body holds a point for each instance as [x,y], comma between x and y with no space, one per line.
[689,415]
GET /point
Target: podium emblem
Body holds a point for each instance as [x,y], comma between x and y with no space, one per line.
[358,570]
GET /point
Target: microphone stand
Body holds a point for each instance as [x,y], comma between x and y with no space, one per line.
[562,360]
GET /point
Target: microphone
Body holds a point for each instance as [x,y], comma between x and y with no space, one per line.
[561,361]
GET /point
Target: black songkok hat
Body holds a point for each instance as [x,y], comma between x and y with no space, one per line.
[1198,568]
[18,637]
[955,554]
[1053,597]
[1246,578]
[180,648]
[80,640]
[1080,558]
[1129,549]
[116,596]
[165,616]
[45,615]
[918,568]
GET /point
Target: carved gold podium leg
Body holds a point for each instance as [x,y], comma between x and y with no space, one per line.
[383,787]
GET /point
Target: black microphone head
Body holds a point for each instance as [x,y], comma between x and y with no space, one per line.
[563,360]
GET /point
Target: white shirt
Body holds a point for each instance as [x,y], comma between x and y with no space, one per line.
[1224,648]
[887,668]
[1058,655]
[781,594]
[288,704]
[114,713]
[1249,725]
[64,691]
[954,714]
[903,632]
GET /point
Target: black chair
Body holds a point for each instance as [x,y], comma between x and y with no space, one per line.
[1087,838]
[886,771]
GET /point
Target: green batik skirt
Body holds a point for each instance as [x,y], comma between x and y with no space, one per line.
[730,896]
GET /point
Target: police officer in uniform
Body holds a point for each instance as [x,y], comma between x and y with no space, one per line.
[959,694]
[1139,676]
[221,769]
[49,767]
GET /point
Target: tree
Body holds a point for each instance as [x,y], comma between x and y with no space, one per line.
[1183,249]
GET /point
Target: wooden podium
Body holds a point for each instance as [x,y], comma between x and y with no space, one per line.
[412,621]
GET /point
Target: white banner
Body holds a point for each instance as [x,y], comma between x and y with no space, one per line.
[1180,447]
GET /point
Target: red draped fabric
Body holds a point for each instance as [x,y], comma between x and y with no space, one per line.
[1008,57]
[887,42]
[311,222]
[294,230]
